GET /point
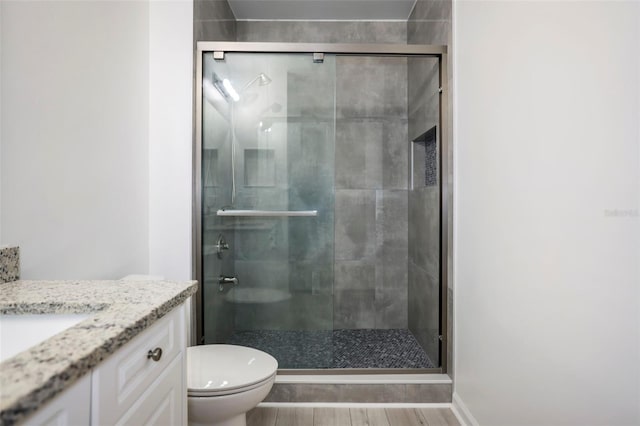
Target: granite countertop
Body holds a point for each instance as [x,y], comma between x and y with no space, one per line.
[122,310]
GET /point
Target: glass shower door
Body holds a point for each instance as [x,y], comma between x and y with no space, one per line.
[268,124]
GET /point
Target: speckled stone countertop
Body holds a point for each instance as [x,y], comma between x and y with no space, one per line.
[122,309]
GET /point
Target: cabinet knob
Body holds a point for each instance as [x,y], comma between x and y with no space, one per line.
[155,354]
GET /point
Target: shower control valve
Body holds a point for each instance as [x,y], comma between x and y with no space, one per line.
[221,245]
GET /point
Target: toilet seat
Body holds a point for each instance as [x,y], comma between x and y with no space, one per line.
[216,370]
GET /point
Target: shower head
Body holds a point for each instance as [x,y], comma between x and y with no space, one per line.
[262,80]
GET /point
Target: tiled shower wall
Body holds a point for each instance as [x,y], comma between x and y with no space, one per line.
[429,23]
[370,289]
[213,20]
[372,283]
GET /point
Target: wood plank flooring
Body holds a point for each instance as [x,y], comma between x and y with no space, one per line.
[297,416]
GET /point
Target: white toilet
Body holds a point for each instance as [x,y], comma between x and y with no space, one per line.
[226,381]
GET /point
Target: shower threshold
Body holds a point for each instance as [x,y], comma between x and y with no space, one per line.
[339,350]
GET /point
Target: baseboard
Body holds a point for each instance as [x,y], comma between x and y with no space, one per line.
[461,411]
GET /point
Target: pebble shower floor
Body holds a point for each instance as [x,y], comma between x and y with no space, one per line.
[362,348]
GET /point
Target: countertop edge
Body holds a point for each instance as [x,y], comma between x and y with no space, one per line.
[28,403]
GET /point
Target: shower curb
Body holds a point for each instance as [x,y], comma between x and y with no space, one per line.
[361,392]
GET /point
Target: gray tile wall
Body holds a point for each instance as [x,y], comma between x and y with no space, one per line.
[371,193]
[429,23]
[218,315]
[370,283]
[365,393]
[322,31]
[213,21]
[295,255]
[374,208]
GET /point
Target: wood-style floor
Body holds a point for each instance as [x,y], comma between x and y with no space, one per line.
[289,416]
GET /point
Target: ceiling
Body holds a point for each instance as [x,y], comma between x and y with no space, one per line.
[341,10]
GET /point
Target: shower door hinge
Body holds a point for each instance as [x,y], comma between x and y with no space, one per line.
[218,55]
[439,89]
[441,338]
[318,58]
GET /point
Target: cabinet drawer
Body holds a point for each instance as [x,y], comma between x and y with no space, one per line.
[128,373]
[162,403]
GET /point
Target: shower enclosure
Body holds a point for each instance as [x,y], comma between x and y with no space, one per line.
[319,195]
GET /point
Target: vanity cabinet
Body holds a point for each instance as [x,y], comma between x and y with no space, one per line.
[143,382]
[138,375]
[71,407]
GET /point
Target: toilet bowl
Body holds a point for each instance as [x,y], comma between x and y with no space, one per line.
[226,381]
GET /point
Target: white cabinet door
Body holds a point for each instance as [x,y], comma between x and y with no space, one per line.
[122,378]
[71,407]
[161,404]
[129,388]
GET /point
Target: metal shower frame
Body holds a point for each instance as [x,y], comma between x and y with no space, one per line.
[446,187]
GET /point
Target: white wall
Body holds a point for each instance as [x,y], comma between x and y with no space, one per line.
[75,114]
[170,140]
[95,155]
[547,273]
[0,124]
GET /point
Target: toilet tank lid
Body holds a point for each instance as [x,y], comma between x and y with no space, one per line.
[215,368]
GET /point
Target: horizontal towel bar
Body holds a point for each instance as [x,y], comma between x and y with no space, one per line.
[268,213]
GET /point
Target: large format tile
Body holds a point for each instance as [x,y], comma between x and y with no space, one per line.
[354,275]
[323,31]
[424,312]
[361,393]
[424,221]
[391,254]
[395,154]
[212,9]
[370,87]
[359,154]
[354,309]
[215,29]
[424,98]
[213,20]
[372,153]
[391,218]
[391,308]
[355,228]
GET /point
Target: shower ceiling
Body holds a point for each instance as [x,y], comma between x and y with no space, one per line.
[322,9]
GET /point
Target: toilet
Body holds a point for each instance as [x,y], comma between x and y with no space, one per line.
[223,381]
[226,381]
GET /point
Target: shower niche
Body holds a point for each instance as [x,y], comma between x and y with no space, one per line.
[323,177]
